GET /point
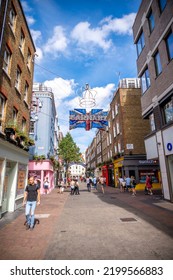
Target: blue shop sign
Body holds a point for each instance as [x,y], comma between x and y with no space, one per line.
[169,147]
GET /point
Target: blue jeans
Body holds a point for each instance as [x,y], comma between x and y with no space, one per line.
[29,212]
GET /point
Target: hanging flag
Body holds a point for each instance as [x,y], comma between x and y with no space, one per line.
[96,118]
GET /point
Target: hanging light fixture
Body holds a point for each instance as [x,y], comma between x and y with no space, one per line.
[88,97]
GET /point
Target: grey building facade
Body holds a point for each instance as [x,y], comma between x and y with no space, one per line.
[153,36]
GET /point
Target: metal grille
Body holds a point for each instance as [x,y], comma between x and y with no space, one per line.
[128,219]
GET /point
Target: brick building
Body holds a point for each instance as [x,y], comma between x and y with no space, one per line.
[153,36]
[16,76]
[122,145]
[126,134]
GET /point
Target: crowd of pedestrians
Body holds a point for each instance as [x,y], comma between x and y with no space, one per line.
[128,184]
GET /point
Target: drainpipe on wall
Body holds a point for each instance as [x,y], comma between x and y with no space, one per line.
[3,24]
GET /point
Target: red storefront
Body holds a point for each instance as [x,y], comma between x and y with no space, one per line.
[105,173]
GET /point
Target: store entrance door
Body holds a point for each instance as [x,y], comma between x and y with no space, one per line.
[7,186]
[170,164]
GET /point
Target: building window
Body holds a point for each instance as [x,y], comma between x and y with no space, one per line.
[168,111]
[119,147]
[22,41]
[31,128]
[113,114]
[2,109]
[29,59]
[115,149]
[7,59]
[118,127]
[140,44]
[145,81]
[151,21]
[18,78]
[110,138]
[162,4]
[152,122]
[114,130]
[169,45]
[158,65]
[15,112]
[12,18]
[116,109]
[26,92]
[23,124]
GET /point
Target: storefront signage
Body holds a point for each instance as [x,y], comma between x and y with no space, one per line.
[169,147]
[147,161]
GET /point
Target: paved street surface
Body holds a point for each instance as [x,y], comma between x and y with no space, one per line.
[91,226]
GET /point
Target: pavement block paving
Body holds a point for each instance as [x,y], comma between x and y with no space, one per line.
[64,218]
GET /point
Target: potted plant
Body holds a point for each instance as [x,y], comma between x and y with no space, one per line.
[31,141]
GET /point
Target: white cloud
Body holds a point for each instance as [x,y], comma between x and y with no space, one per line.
[104,96]
[87,37]
[36,35]
[83,34]
[61,88]
[120,26]
[25,6]
[57,43]
[30,20]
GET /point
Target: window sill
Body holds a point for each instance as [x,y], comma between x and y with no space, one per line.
[19,93]
[5,72]
[12,31]
[29,70]
[26,104]
[158,76]
[21,52]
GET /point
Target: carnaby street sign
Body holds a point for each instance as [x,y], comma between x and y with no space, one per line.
[96,118]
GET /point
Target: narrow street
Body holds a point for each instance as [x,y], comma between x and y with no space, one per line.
[91,226]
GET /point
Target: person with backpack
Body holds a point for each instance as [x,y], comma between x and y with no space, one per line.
[133,185]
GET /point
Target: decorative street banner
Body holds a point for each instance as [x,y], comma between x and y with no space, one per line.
[96,118]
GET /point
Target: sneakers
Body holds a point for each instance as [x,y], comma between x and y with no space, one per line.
[31,228]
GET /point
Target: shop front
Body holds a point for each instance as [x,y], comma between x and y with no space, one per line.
[167,177]
[13,176]
[118,170]
[139,167]
[40,170]
[111,180]
[105,173]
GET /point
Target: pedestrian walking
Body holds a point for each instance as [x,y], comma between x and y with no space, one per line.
[121,184]
[31,199]
[61,188]
[102,181]
[72,186]
[128,183]
[148,183]
[133,185]
[46,185]
[88,184]
[76,187]
[95,182]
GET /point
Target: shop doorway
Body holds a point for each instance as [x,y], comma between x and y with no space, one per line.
[7,185]
[132,173]
[170,164]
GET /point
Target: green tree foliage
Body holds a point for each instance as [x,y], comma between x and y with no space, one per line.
[68,150]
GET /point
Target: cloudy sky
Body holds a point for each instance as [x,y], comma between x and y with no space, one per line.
[80,42]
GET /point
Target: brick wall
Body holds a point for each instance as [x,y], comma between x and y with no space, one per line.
[14,97]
